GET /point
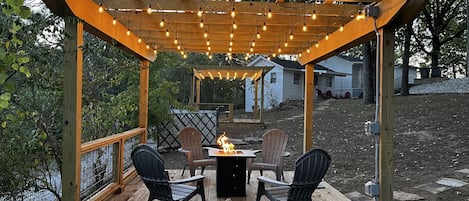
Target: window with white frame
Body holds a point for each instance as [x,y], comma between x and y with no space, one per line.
[273,77]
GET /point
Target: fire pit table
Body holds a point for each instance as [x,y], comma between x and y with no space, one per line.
[231,171]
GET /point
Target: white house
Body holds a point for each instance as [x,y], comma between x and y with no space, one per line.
[352,81]
[285,82]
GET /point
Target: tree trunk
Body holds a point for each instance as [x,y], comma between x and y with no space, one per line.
[435,54]
[368,95]
[405,60]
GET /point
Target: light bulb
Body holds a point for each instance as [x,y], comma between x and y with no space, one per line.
[162,23]
[304,27]
[264,27]
[201,24]
[231,43]
[205,34]
[175,41]
[155,51]
[149,11]
[184,56]
[230,49]
[279,50]
[200,12]
[209,48]
[308,50]
[251,49]
[101,9]
[253,43]
[314,16]
[274,55]
[291,35]
[114,21]
[233,14]
[179,47]
[210,57]
[234,25]
[148,47]
[208,43]
[269,14]
[128,32]
[299,55]
[341,28]
[139,40]
[167,33]
[327,36]
[286,44]
[258,35]
[317,45]
[231,35]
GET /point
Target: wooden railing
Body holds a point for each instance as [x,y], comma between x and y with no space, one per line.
[118,173]
[222,108]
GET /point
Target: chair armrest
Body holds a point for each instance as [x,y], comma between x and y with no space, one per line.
[255,151]
[272,181]
[187,180]
[183,150]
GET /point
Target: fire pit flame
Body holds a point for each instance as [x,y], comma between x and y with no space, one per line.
[227,147]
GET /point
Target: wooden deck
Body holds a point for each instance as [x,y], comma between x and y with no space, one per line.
[136,191]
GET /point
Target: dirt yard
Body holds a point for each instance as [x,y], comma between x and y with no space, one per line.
[431,133]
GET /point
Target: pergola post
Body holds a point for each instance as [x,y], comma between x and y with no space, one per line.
[197,94]
[256,96]
[386,108]
[143,101]
[262,95]
[72,106]
[308,105]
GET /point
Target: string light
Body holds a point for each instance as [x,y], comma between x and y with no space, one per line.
[230,49]
[233,13]
[231,35]
[251,49]
[360,15]
[149,10]
[184,56]
[291,35]
[286,44]
[327,36]
[308,50]
[176,41]
[200,12]
[274,55]
[205,34]
[269,14]
[101,9]
[279,50]
[300,55]
[209,48]
[234,25]
[139,40]
[341,28]
[208,42]
[179,47]
[304,27]
[314,16]
[317,44]
[167,33]
[114,21]
[258,35]
[264,27]
[155,51]
[253,43]
[209,73]
[231,43]
[128,32]
[201,24]
[210,57]
[148,47]
[162,23]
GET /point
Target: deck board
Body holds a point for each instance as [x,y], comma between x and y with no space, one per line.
[136,190]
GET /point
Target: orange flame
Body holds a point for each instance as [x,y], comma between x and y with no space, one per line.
[227,147]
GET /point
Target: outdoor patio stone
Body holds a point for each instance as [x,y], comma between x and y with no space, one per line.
[451,182]
[403,196]
[433,187]
[356,196]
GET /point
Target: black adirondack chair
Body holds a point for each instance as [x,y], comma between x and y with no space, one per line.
[310,169]
[150,167]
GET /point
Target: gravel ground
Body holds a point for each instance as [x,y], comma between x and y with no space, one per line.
[460,85]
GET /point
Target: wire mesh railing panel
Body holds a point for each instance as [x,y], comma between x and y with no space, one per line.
[97,170]
[129,145]
[206,121]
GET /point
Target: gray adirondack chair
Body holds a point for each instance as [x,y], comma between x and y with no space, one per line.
[191,145]
[310,169]
[150,168]
[274,143]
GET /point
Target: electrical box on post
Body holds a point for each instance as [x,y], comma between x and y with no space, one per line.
[371,189]
[371,128]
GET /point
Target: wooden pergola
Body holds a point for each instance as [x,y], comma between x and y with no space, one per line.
[313,30]
[212,72]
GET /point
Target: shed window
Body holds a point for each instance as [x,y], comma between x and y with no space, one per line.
[296,78]
[328,81]
[273,78]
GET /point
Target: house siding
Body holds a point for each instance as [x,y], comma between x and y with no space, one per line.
[292,91]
